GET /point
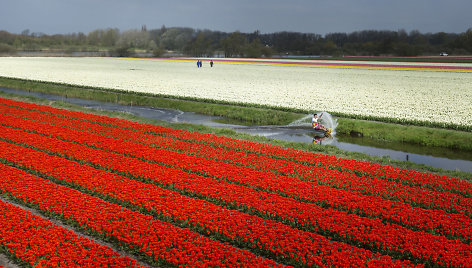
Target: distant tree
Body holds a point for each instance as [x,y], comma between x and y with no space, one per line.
[81,38]
[253,36]
[176,38]
[110,37]
[254,44]
[337,38]
[402,35]
[199,46]
[184,36]
[163,29]
[329,48]
[292,42]
[415,37]
[256,49]
[438,39]
[313,49]
[7,49]
[234,44]
[134,39]
[158,52]
[7,38]
[94,37]
[464,41]
[368,49]
[405,49]
[267,51]
[121,51]
[32,46]
[467,37]
[152,45]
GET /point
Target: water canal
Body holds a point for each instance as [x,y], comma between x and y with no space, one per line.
[297,132]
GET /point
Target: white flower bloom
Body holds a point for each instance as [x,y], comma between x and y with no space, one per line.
[405,94]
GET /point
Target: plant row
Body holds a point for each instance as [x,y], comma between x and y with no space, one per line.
[396,240]
[404,176]
[228,199]
[265,236]
[392,190]
[32,240]
[434,221]
[161,242]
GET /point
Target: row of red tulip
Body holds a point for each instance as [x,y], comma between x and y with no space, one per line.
[351,227]
[465,250]
[430,220]
[35,241]
[402,175]
[164,242]
[409,177]
[251,231]
[418,196]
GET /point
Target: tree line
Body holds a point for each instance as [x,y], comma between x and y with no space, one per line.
[191,42]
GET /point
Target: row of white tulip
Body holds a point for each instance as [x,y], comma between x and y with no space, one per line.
[424,95]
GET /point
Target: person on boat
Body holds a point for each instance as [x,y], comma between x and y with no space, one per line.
[316,124]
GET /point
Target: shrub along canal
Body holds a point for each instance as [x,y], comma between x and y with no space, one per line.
[301,132]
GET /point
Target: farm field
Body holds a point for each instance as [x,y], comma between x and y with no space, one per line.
[173,197]
[436,94]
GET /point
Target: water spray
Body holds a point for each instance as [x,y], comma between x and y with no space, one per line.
[327,120]
[302,122]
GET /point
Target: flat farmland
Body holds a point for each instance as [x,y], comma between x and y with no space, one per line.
[169,197]
[438,93]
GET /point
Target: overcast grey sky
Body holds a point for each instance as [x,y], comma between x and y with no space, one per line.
[267,16]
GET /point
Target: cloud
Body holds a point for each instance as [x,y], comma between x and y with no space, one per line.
[311,16]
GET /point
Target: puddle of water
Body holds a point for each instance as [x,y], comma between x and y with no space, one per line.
[298,131]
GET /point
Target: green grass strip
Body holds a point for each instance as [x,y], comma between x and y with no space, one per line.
[238,114]
[424,136]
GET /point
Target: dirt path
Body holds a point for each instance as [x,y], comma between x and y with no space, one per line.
[6,262]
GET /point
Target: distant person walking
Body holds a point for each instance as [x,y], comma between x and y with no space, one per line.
[211,63]
[198,64]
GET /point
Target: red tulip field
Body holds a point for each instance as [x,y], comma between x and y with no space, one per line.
[129,194]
